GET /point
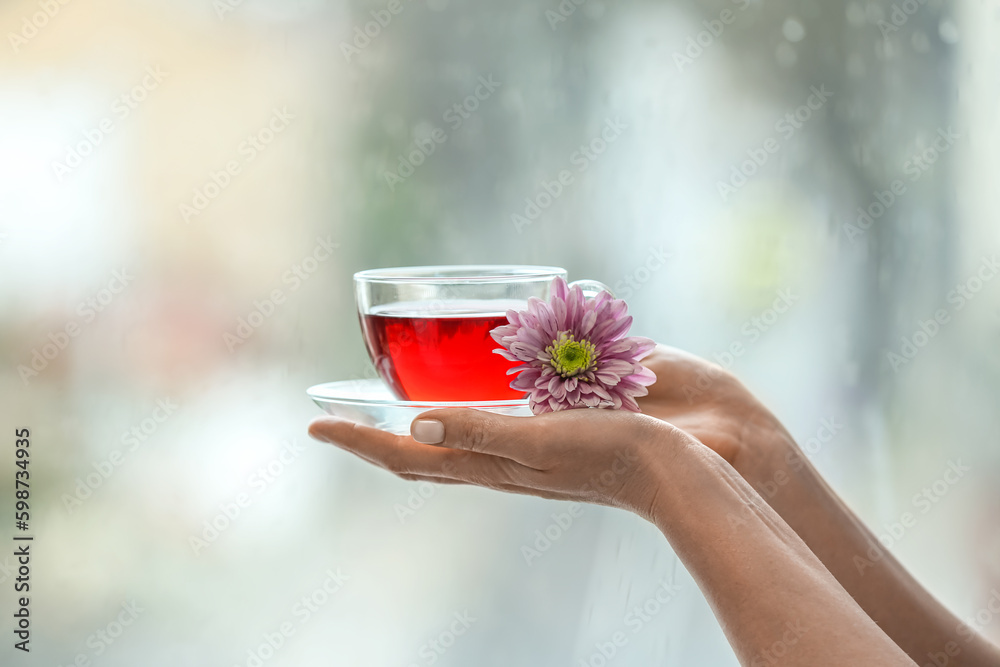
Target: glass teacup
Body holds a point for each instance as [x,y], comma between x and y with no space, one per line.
[427,328]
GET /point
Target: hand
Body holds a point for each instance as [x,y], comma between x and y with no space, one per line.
[756,574]
[597,456]
[712,405]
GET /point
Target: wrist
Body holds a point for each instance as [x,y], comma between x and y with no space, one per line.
[764,449]
[700,498]
[678,473]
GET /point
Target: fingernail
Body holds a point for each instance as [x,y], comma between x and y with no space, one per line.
[427,431]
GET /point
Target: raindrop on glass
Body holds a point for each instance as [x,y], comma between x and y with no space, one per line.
[793,30]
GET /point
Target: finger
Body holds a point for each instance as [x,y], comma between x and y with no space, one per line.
[402,455]
[412,477]
[347,434]
[516,438]
[395,453]
[508,488]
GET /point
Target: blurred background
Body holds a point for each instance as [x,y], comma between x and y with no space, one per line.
[166,167]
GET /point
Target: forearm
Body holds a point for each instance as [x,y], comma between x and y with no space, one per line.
[916,621]
[770,593]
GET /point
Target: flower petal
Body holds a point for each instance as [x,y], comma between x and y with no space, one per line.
[619,367]
[642,376]
[574,307]
[504,330]
[587,323]
[643,346]
[601,393]
[505,354]
[602,299]
[609,330]
[532,337]
[559,288]
[525,379]
[628,403]
[523,351]
[617,309]
[608,379]
[557,388]
[621,347]
[559,312]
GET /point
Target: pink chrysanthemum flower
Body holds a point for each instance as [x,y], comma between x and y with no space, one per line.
[574,352]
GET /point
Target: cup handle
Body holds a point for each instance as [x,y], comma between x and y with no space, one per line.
[591,288]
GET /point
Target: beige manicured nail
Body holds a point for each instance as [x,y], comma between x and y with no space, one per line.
[427,431]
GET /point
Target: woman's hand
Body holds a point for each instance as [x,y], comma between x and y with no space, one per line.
[712,405]
[764,584]
[562,455]
[597,456]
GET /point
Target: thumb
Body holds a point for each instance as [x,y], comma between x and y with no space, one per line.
[515,438]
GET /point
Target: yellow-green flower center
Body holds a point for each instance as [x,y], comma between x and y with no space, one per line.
[569,356]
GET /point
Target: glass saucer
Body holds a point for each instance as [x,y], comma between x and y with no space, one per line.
[371,403]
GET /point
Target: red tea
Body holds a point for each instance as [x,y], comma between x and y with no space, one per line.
[444,355]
